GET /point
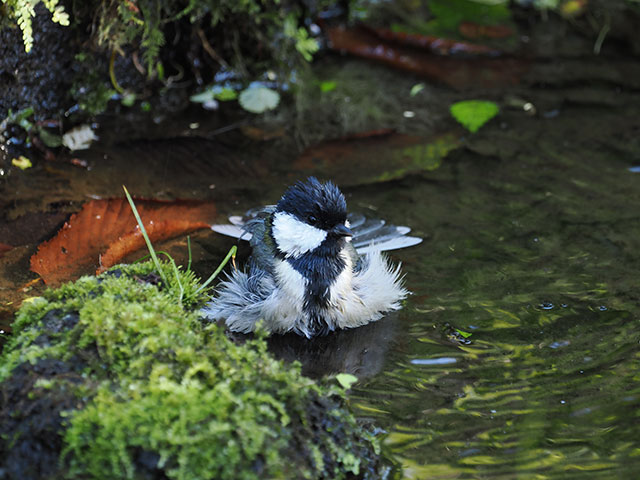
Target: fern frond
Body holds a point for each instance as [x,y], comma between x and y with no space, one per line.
[23,11]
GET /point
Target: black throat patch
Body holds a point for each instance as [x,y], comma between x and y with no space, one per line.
[321,268]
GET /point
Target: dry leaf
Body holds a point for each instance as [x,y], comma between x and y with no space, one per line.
[133,241]
[108,226]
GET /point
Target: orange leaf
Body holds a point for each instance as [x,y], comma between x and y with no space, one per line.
[133,241]
[101,226]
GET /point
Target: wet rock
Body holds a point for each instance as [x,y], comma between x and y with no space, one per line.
[30,418]
[56,321]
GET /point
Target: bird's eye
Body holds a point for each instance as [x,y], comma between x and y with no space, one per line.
[313,219]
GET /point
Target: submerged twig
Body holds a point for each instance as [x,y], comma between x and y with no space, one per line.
[209,49]
[602,34]
[112,76]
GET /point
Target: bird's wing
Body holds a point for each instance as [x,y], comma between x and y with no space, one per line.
[368,233]
[375,234]
[254,226]
[242,227]
[231,230]
[263,249]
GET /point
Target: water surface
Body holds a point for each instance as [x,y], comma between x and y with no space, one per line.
[518,354]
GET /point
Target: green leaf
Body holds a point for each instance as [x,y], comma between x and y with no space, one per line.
[259,99]
[21,162]
[224,94]
[473,114]
[21,118]
[160,69]
[346,380]
[416,89]
[202,97]
[20,115]
[328,86]
[463,334]
[306,46]
[128,99]
[49,139]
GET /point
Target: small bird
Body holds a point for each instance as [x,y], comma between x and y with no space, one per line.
[313,269]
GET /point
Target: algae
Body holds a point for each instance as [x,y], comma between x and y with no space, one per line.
[136,386]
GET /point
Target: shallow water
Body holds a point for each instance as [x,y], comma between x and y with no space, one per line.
[518,354]
[535,255]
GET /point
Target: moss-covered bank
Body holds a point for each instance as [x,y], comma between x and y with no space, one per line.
[109,377]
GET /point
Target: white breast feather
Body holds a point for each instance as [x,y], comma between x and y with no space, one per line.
[294,237]
[283,308]
[356,298]
[342,288]
[363,297]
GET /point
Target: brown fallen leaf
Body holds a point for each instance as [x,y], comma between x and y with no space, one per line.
[133,241]
[439,45]
[109,227]
[459,73]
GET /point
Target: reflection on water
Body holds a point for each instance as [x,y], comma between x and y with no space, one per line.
[360,352]
[537,261]
[537,404]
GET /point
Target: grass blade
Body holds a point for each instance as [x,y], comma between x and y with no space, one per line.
[231,254]
[189,250]
[152,252]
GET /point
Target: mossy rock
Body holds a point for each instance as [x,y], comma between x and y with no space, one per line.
[110,377]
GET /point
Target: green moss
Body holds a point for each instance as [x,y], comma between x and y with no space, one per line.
[200,425]
[148,324]
[91,90]
[162,385]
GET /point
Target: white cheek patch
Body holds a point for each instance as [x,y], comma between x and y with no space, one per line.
[294,237]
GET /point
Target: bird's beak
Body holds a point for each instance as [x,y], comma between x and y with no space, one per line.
[342,231]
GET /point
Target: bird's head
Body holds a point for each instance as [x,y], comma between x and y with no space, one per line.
[309,215]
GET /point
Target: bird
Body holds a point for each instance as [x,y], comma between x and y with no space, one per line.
[314,268]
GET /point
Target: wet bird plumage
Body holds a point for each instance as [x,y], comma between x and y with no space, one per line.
[304,275]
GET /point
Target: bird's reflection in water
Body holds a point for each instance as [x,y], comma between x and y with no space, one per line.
[360,351]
